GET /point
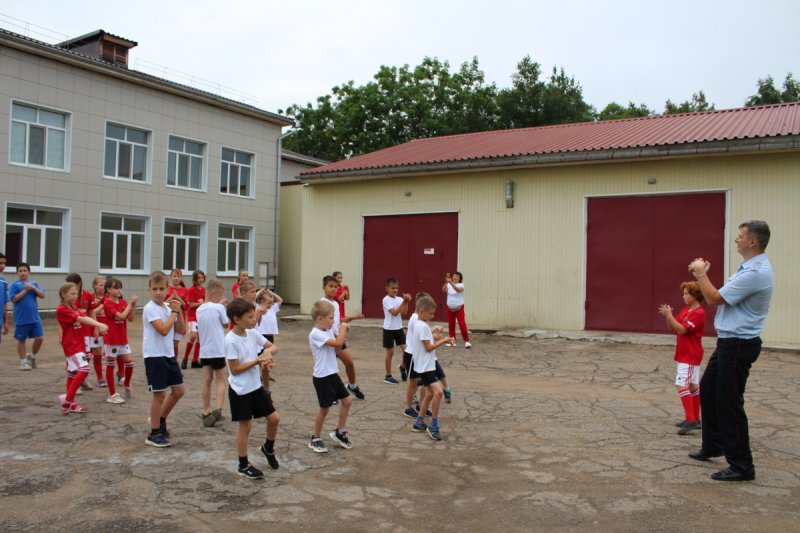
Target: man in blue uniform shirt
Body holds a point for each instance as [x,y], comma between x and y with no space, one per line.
[742,306]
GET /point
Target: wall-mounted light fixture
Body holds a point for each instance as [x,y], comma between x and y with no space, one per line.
[652,181]
[407,193]
[509,193]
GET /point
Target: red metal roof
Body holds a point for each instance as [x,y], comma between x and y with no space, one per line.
[664,130]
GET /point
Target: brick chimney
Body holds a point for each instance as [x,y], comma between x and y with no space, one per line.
[101,45]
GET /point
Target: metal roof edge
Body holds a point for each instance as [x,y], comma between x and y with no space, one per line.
[737,146]
[302,158]
[32,46]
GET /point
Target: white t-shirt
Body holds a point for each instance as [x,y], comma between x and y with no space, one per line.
[245,349]
[211,321]
[269,321]
[410,334]
[424,361]
[455,299]
[154,344]
[324,356]
[391,321]
[336,318]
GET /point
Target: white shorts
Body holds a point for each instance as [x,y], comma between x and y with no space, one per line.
[92,342]
[114,350]
[687,375]
[77,363]
[191,326]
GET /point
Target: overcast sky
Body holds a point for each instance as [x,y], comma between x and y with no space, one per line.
[293,51]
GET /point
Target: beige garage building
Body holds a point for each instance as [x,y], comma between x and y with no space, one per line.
[578,226]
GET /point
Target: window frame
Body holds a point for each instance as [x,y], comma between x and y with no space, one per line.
[251,166]
[148,179]
[251,249]
[203,169]
[66,220]
[202,248]
[67,135]
[146,240]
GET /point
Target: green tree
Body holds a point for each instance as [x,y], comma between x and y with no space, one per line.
[767,93]
[697,103]
[615,111]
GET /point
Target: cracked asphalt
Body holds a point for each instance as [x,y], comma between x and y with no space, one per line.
[542,435]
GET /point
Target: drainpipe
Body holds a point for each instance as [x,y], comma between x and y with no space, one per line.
[277,221]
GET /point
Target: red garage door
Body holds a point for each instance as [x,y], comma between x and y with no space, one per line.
[417,250]
[638,248]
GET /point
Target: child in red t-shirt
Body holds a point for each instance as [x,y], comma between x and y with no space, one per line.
[71,320]
[195,297]
[178,287]
[118,314]
[241,278]
[95,341]
[688,326]
[84,303]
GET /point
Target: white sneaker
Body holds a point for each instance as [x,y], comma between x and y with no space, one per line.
[115,398]
[467,344]
[24,364]
[127,392]
[62,400]
[448,345]
[31,360]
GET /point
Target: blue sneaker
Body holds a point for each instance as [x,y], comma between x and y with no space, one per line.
[342,439]
[158,440]
[448,394]
[410,412]
[390,380]
[419,428]
[433,432]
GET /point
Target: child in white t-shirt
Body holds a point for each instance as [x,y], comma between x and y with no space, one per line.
[268,303]
[246,394]
[393,308]
[161,319]
[327,382]
[330,285]
[211,322]
[424,361]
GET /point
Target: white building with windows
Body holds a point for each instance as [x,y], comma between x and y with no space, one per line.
[113,171]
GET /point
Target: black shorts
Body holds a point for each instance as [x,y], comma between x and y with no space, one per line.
[408,363]
[216,363]
[440,375]
[392,337]
[428,378]
[162,372]
[329,389]
[256,404]
[269,337]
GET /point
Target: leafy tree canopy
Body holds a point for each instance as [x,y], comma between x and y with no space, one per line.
[697,103]
[616,111]
[767,93]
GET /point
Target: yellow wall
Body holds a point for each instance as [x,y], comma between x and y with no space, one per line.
[525,266]
[289,258]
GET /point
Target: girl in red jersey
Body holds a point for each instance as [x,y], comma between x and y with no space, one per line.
[195,297]
[178,287]
[84,303]
[118,314]
[688,326]
[71,320]
[95,342]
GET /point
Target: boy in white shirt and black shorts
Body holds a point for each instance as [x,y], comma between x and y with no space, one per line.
[211,321]
[246,394]
[393,308]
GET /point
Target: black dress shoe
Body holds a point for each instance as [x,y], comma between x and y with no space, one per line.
[703,455]
[732,475]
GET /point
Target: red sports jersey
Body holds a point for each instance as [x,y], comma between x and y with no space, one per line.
[194,294]
[182,293]
[71,329]
[117,327]
[235,288]
[689,347]
[336,296]
[100,316]
[85,304]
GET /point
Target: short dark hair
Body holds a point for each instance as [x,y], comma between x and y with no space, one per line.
[337,273]
[75,278]
[328,279]
[238,307]
[460,276]
[2,255]
[26,265]
[391,281]
[693,288]
[112,283]
[758,230]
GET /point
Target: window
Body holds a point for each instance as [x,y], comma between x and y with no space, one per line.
[185,163]
[126,154]
[123,241]
[233,249]
[37,236]
[235,173]
[183,245]
[38,137]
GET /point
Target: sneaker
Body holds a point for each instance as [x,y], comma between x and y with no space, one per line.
[86,386]
[184,364]
[31,360]
[196,364]
[210,419]
[62,402]
[102,383]
[419,428]
[403,373]
[251,472]
[120,379]
[115,398]
[433,432]
[682,422]
[448,393]
[75,408]
[164,431]
[356,391]
[158,440]
[414,400]
[128,392]
[24,364]
[687,427]
[271,459]
[466,345]
[427,411]
[390,380]
[410,412]
[342,439]
[317,446]
[449,345]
